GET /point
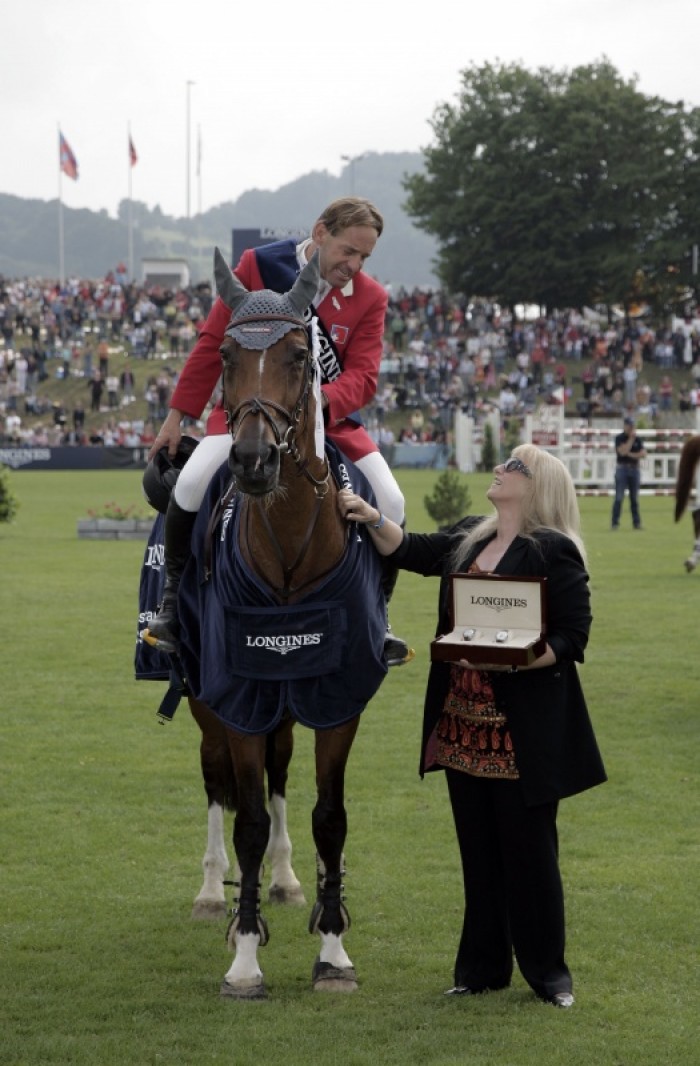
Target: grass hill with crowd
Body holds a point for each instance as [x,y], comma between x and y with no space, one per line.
[66,388]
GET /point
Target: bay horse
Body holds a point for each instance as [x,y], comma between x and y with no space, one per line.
[271,531]
[690,456]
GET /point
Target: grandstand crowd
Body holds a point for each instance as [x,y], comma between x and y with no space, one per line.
[439,353]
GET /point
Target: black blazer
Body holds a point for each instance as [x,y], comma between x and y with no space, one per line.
[555,748]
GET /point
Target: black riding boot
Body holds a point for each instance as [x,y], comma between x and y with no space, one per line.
[395,649]
[178,532]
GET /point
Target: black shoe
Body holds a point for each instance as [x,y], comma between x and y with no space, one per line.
[396,651]
[563,1000]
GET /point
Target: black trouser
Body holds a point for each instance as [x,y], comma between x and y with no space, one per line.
[512,887]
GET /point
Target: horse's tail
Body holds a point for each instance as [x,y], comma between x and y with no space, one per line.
[686,472]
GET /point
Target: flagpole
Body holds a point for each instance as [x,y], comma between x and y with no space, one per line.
[61,252]
[131,213]
[199,197]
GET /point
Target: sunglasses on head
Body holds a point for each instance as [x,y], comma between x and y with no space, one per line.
[516,466]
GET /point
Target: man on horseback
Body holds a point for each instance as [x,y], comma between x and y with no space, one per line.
[350,309]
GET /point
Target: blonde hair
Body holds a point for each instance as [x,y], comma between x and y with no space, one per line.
[351,211]
[550,505]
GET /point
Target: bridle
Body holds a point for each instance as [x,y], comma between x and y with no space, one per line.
[286,443]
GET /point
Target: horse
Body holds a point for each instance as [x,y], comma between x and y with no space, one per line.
[690,454]
[271,518]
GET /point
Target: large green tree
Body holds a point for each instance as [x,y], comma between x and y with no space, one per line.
[560,188]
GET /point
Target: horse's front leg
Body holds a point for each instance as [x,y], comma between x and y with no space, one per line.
[333,971]
[248,931]
[220,787]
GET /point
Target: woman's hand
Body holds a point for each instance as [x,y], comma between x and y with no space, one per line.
[386,535]
[355,509]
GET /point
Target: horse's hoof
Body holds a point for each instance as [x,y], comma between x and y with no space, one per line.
[208,910]
[248,990]
[690,565]
[328,978]
[291,896]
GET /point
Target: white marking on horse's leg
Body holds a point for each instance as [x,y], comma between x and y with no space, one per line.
[284,884]
[211,896]
[244,970]
[332,951]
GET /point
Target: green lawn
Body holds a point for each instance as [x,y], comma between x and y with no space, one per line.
[103,829]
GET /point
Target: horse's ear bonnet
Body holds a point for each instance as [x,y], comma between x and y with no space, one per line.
[162,472]
[260,319]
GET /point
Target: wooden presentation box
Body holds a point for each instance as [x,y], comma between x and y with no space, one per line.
[494,620]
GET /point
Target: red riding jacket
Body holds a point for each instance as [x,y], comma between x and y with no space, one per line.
[354,318]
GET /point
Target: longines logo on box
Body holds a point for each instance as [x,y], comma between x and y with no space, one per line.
[283,643]
[498,603]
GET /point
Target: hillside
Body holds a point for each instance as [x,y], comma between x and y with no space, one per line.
[94,243]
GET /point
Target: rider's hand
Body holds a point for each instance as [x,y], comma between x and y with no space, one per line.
[169,434]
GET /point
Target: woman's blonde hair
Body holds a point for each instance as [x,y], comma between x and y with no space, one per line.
[550,504]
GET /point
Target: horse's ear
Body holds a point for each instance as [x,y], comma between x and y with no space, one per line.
[229,288]
[304,288]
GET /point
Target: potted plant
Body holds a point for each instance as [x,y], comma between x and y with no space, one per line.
[113,522]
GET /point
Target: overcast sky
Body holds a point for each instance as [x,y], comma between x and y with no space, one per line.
[280,90]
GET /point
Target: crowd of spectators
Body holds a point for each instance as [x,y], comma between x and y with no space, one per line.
[439,354]
[48,330]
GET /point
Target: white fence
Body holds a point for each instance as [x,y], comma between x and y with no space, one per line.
[587,451]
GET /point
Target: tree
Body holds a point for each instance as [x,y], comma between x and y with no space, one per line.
[489,456]
[8,500]
[557,188]
[450,500]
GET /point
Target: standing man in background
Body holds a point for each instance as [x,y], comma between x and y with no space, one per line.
[630,451]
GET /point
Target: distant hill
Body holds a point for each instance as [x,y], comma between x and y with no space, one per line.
[94,243]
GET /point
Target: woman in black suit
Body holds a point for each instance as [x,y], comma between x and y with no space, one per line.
[512,742]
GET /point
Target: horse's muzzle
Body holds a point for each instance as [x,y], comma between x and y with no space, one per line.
[255,466]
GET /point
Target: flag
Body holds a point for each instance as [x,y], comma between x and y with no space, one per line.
[69,164]
[133,158]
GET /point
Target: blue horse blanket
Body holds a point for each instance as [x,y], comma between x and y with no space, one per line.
[249,658]
[149,664]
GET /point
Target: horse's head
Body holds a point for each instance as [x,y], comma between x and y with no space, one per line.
[267,374]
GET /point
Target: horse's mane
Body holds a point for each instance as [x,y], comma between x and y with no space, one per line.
[686,472]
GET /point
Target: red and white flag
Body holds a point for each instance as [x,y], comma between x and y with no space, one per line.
[133,158]
[68,162]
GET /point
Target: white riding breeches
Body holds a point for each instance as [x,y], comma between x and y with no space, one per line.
[199,469]
[213,450]
[390,499]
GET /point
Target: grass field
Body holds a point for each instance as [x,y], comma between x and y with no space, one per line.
[103,829]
